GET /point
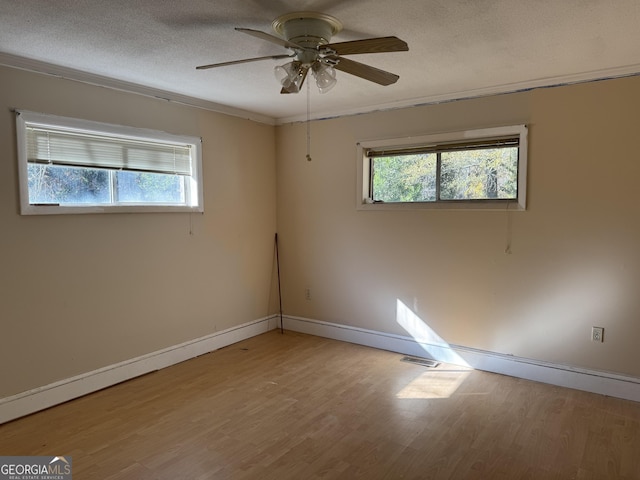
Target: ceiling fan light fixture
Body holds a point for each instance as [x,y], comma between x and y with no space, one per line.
[290,75]
[284,72]
[325,76]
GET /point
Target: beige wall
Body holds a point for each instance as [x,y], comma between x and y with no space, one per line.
[79,292]
[575,258]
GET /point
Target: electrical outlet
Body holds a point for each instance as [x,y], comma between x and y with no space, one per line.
[307,293]
[597,334]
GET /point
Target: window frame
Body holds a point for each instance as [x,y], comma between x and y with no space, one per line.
[363,173]
[194,192]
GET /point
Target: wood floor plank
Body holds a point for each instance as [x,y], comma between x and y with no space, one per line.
[295,406]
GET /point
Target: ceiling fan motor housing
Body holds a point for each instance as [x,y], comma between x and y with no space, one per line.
[307,29]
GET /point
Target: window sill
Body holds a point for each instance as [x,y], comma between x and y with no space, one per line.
[496,205]
[84,209]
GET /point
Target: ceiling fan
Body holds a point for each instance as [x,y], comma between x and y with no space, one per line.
[307,35]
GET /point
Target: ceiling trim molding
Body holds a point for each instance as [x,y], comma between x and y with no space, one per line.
[45,68]
[548,82]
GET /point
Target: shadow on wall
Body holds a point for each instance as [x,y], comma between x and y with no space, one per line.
[583,292]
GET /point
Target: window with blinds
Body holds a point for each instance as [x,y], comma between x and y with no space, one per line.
[473,169]
[75,166]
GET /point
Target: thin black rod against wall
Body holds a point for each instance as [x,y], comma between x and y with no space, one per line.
[279,290]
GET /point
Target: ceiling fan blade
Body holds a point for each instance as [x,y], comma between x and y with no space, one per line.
[246,60]
[367,72]
[268,37]
[369,45]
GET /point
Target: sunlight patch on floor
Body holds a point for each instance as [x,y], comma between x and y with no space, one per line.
[434,384]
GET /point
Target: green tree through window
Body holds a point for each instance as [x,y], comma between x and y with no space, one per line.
[473,174]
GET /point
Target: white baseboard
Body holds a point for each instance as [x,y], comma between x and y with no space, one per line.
[605,383]
[55,393]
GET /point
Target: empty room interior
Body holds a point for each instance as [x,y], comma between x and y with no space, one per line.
[255,326]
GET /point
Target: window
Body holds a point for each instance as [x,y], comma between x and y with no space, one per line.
[473,169]
[75,166]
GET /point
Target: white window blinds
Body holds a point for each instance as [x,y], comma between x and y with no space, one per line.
[86,149]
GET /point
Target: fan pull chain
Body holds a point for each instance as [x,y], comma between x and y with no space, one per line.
[308,121]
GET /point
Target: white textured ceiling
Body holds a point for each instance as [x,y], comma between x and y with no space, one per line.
[457,48]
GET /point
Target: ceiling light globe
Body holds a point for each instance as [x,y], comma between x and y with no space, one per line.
[283,72]
[325,78]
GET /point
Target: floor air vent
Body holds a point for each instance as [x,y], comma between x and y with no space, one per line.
[420,361]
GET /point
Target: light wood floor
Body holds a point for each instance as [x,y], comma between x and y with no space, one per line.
[294,406]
